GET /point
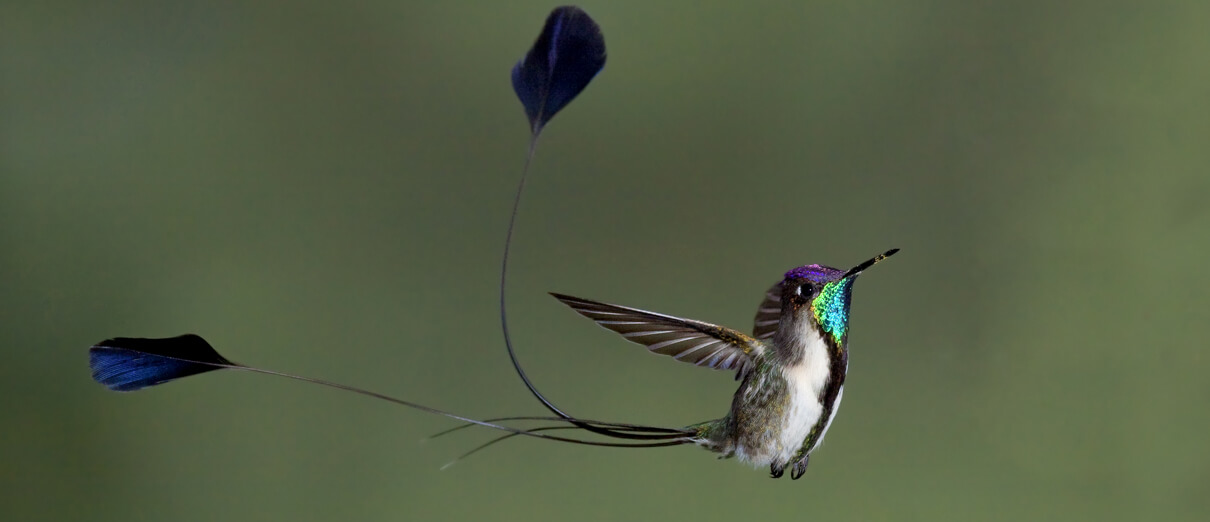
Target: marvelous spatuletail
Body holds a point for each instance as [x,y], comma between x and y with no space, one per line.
[792,367]
[792,370]
[792,375]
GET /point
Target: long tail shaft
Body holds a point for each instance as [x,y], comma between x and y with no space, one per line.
[129,364]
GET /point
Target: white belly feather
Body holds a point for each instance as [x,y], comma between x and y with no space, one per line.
[805,382]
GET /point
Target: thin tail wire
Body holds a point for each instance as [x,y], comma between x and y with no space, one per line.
[427,409]
[629,431]
[507,436]
[508,241]
[620,426]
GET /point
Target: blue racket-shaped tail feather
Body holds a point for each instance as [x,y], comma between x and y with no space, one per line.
[129,364]
[567,55]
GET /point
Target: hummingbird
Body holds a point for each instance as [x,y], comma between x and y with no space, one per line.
[791,369]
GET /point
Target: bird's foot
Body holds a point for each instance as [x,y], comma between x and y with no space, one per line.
[800,467]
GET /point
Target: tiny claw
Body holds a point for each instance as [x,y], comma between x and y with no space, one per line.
[777,470]
[799,469]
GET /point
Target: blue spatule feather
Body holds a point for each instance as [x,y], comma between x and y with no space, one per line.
[129,364]
[567,55]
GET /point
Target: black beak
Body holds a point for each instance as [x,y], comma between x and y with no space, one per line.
[862,267]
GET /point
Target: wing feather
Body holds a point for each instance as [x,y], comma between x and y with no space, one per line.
[768,314]
[695,342]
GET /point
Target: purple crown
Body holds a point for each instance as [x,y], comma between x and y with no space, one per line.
[816,273]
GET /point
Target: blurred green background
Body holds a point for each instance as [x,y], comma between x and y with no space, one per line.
[323,189]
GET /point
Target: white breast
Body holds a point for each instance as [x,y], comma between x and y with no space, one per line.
[806,382]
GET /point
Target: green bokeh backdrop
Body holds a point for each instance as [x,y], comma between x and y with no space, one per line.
[323,188]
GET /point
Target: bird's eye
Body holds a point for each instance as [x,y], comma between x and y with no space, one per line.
[806,289]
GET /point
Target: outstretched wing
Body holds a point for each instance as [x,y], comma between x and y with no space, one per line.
[687,340]
[768,314]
